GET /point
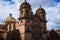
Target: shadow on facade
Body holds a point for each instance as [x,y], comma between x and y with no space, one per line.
[13,35]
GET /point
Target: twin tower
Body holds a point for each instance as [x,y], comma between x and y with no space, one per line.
[31,26]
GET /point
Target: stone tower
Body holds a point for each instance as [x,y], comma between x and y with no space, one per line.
[25,21]
[10,23]
[42,15]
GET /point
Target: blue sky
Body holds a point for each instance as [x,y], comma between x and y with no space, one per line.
[52,8]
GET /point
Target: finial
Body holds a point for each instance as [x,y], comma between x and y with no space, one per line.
[10,14]
[52,29]
[40,6]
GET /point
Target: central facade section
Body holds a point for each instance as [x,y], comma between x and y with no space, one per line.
[32,27]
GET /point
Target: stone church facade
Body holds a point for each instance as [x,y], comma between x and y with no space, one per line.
[29,27]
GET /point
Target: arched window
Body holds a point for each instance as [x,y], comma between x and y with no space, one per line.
[21,14]
[21,11]
[28,21]
[27,11]
[28,29]
[21,21]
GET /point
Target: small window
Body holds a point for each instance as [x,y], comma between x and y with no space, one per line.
[44,23]
[28,21]
[36,20]
[21,11]
[21,21]
[27,11]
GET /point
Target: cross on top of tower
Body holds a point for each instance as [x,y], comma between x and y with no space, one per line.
[25,0]
[40,6]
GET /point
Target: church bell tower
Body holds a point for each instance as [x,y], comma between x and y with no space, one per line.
[25,21]
[42,15]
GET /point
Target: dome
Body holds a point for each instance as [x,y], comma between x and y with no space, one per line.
[10,18]
[25,4]
[40,9]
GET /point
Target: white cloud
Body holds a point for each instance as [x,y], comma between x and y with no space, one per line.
[50,25]
[53,16]
[52,9]
[6,8]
